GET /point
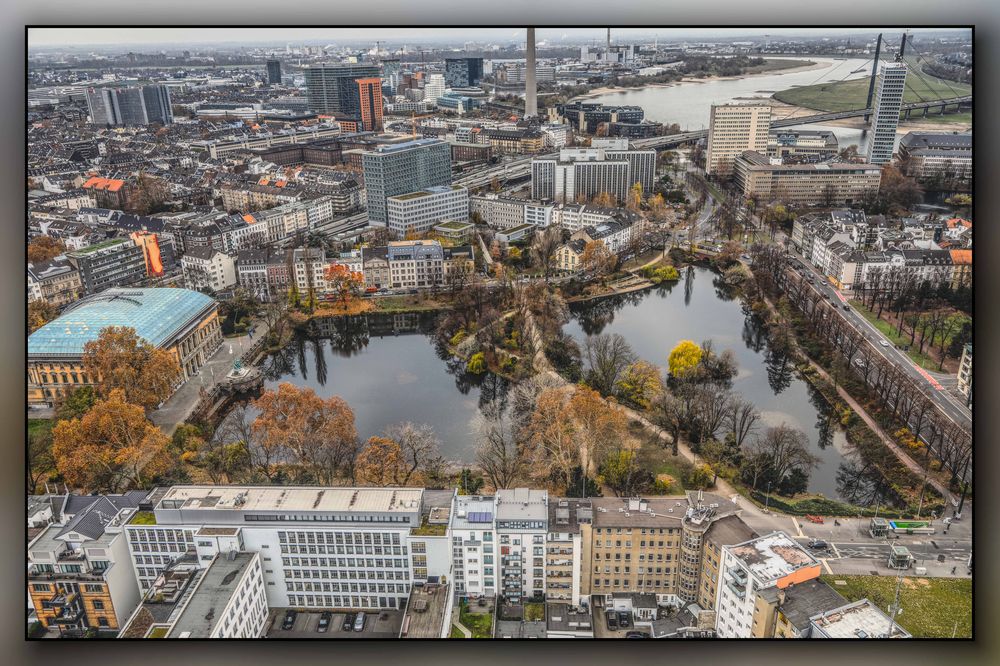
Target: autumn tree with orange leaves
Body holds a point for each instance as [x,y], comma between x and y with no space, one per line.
[111,448]
[43,248]
[380,463]
[344,283]
[316,436]
[596,259]
[120,359]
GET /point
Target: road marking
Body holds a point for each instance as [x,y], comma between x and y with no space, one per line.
[798,528]
[827,565]
[835,551]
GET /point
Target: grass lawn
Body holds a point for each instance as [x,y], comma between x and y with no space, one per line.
[930,605]
[480,624]
[456,632]
[38,426]
[534,612]
[848,95]
[775,64]
[408,303]
[923,360]
[965,118]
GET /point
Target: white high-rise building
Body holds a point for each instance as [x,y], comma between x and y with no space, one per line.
[417,212]
[733,129]
[434,88]
[889,87]
[587,172]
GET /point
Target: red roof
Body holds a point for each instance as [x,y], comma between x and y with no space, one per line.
[98,183]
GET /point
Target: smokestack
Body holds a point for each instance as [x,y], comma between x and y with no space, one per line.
[530,89]
[609,40]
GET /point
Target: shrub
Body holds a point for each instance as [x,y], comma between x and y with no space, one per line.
[477,364]
[457,338]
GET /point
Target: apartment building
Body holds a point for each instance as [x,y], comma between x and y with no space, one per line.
[773,560]
[505,213]
[965,374]
[831,184]
[418,212]
[294,217]
[55,281]
[79,574]
[564,549]
[208,268]
[721,532]
[617,232]
[802,143]
[476,565]
[256,196]
[332,87]
[520,141]
[787,612]
[319,547]
[929,155]
[223,598]
[522,517]
[860,619]
[732,130]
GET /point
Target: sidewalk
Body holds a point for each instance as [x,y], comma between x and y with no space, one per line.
[178,406]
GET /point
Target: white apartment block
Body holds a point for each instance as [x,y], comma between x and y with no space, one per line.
[564,549]
[583,173]
[417,212]
[319,547]
[504,213]
[522,517]
[239,236]
[475,563]
[288,219]
[889,88]
[207,268]
[733,129]
[773,560]
[434,88]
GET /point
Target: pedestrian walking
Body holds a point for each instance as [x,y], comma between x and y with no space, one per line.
[953,570]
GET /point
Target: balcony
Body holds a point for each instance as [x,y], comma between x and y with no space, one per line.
[71,556]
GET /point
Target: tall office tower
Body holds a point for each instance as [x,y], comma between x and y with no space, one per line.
[434,88]
[530,87]
[131,106]
[274,72]
[463,72]
[733,129]
[889,86]
[370,102]
[331,87]
[401,168]
[583,173]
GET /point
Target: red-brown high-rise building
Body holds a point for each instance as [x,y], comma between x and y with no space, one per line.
[370,91]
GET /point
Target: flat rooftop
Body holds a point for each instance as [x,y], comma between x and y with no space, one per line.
[209,600]
[292,498]
[772,556]
[522,504]
[861,619]
[424,616]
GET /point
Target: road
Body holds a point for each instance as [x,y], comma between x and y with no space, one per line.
[938,393]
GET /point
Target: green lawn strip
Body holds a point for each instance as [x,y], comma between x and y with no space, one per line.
[923,360]
[533,612]
[38,426]
[456,632]
[852,94]
[930,606]
[480,624]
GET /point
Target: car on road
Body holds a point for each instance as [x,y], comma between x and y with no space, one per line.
[846,306]
[612,619]
[349,622]
[359,622]
[623,620]
[818,544]
[289,621]
[636,634]
[883,343]
[324,622]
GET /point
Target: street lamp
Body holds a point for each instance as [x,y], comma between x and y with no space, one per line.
[767,498]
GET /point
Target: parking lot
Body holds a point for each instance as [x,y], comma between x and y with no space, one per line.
[600,624]
[378,624]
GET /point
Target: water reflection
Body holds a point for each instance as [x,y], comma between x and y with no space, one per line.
[655,320]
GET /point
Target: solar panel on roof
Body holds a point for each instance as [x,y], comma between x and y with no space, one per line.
[481,517]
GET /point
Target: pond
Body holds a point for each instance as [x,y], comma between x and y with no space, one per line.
[389,369]
[698,308]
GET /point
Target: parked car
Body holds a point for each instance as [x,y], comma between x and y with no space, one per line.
[623,620]
[636,634]
[359,622]
[324,622]
[349,622]
[818,544]
[612,618]
[289,620]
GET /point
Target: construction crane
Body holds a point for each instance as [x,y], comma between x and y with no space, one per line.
[413,120]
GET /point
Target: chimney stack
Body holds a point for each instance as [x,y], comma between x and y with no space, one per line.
[530,89]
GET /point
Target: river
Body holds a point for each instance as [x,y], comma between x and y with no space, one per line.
[689,104]
[699,308]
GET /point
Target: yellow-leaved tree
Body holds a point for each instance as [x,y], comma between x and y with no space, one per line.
[684,358]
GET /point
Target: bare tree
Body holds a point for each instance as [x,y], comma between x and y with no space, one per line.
[497,450]
[607,357]
[741,419]
[544,247]
[418,445]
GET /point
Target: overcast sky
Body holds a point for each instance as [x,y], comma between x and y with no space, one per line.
[48,37]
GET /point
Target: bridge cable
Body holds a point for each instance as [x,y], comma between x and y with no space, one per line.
[823,74]
[921,56]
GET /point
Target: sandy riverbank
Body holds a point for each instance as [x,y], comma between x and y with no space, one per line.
[604,90]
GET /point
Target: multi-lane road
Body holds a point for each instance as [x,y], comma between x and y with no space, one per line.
[938,393]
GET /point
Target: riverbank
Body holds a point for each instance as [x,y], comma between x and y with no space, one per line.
[958,122]
[807,65]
